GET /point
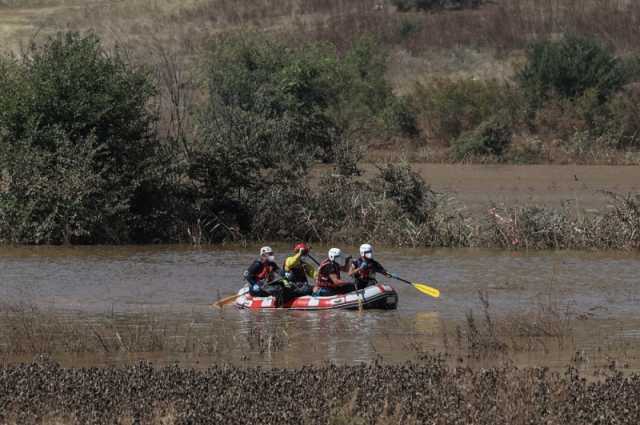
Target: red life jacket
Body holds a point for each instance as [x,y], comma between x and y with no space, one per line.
[265,271]
[327,268]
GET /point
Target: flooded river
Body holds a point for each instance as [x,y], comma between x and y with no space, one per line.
[173,287]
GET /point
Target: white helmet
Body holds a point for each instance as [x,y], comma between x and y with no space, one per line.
[266,250]
[334,253]
[366,250]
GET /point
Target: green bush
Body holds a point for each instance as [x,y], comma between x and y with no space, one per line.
[59,196]
[491,138]
[446,108]
[569,68]
[622,119]
[400,117]
[69,107]
[407,189]
[273,110]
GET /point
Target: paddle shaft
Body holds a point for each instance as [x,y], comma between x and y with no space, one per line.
[400,279]
[313,259]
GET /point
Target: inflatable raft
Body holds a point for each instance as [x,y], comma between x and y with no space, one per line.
[378,296]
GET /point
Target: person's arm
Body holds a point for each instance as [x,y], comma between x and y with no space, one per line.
[378,268]
[347,263]
[292,261]
[353,269]
[336,281]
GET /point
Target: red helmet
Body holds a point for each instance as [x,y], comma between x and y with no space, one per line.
[302,246]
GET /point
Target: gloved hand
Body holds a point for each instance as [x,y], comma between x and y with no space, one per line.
[364,265]
[255,288]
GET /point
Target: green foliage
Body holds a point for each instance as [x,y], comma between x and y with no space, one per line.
[622,114]
[447,107]
[59,196]
[400,117]
[569,68]
[491,138]
[407,189]
[75,117]
[273,110]
[278,87]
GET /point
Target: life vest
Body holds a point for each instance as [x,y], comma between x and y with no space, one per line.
[327,268]
[266,269]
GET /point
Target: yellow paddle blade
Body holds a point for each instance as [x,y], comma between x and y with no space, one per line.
[221,302]
[433,292]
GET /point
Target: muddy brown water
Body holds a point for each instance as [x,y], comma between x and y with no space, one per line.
[178,283]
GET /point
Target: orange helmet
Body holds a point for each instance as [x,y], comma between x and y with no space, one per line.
[302,246]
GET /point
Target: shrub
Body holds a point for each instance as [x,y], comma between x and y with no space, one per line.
[447,108]
[272,111]
[569,68]
[59,196]
[407,189]
[623,118]
[561,117]
[69,107]
[491,138]
[399,117]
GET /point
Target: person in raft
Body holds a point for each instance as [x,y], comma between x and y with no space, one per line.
[262,275]
[328,280]
[298,271]
[364,268]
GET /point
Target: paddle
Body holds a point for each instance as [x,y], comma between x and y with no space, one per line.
[425,289]
[313,259]
[224,301]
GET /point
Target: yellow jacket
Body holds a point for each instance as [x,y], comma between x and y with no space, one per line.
[295,261]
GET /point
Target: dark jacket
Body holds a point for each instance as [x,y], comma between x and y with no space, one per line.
[371,266]
[259,273]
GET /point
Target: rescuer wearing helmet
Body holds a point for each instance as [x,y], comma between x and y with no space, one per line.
[261,274]
[298,271]
[328,280]
[364,268]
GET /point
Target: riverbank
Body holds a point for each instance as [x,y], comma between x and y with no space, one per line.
[478,186]
[422,392]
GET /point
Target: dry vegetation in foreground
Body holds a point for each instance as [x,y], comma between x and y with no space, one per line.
[424,392]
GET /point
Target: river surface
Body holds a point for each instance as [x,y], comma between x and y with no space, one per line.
[598,291]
